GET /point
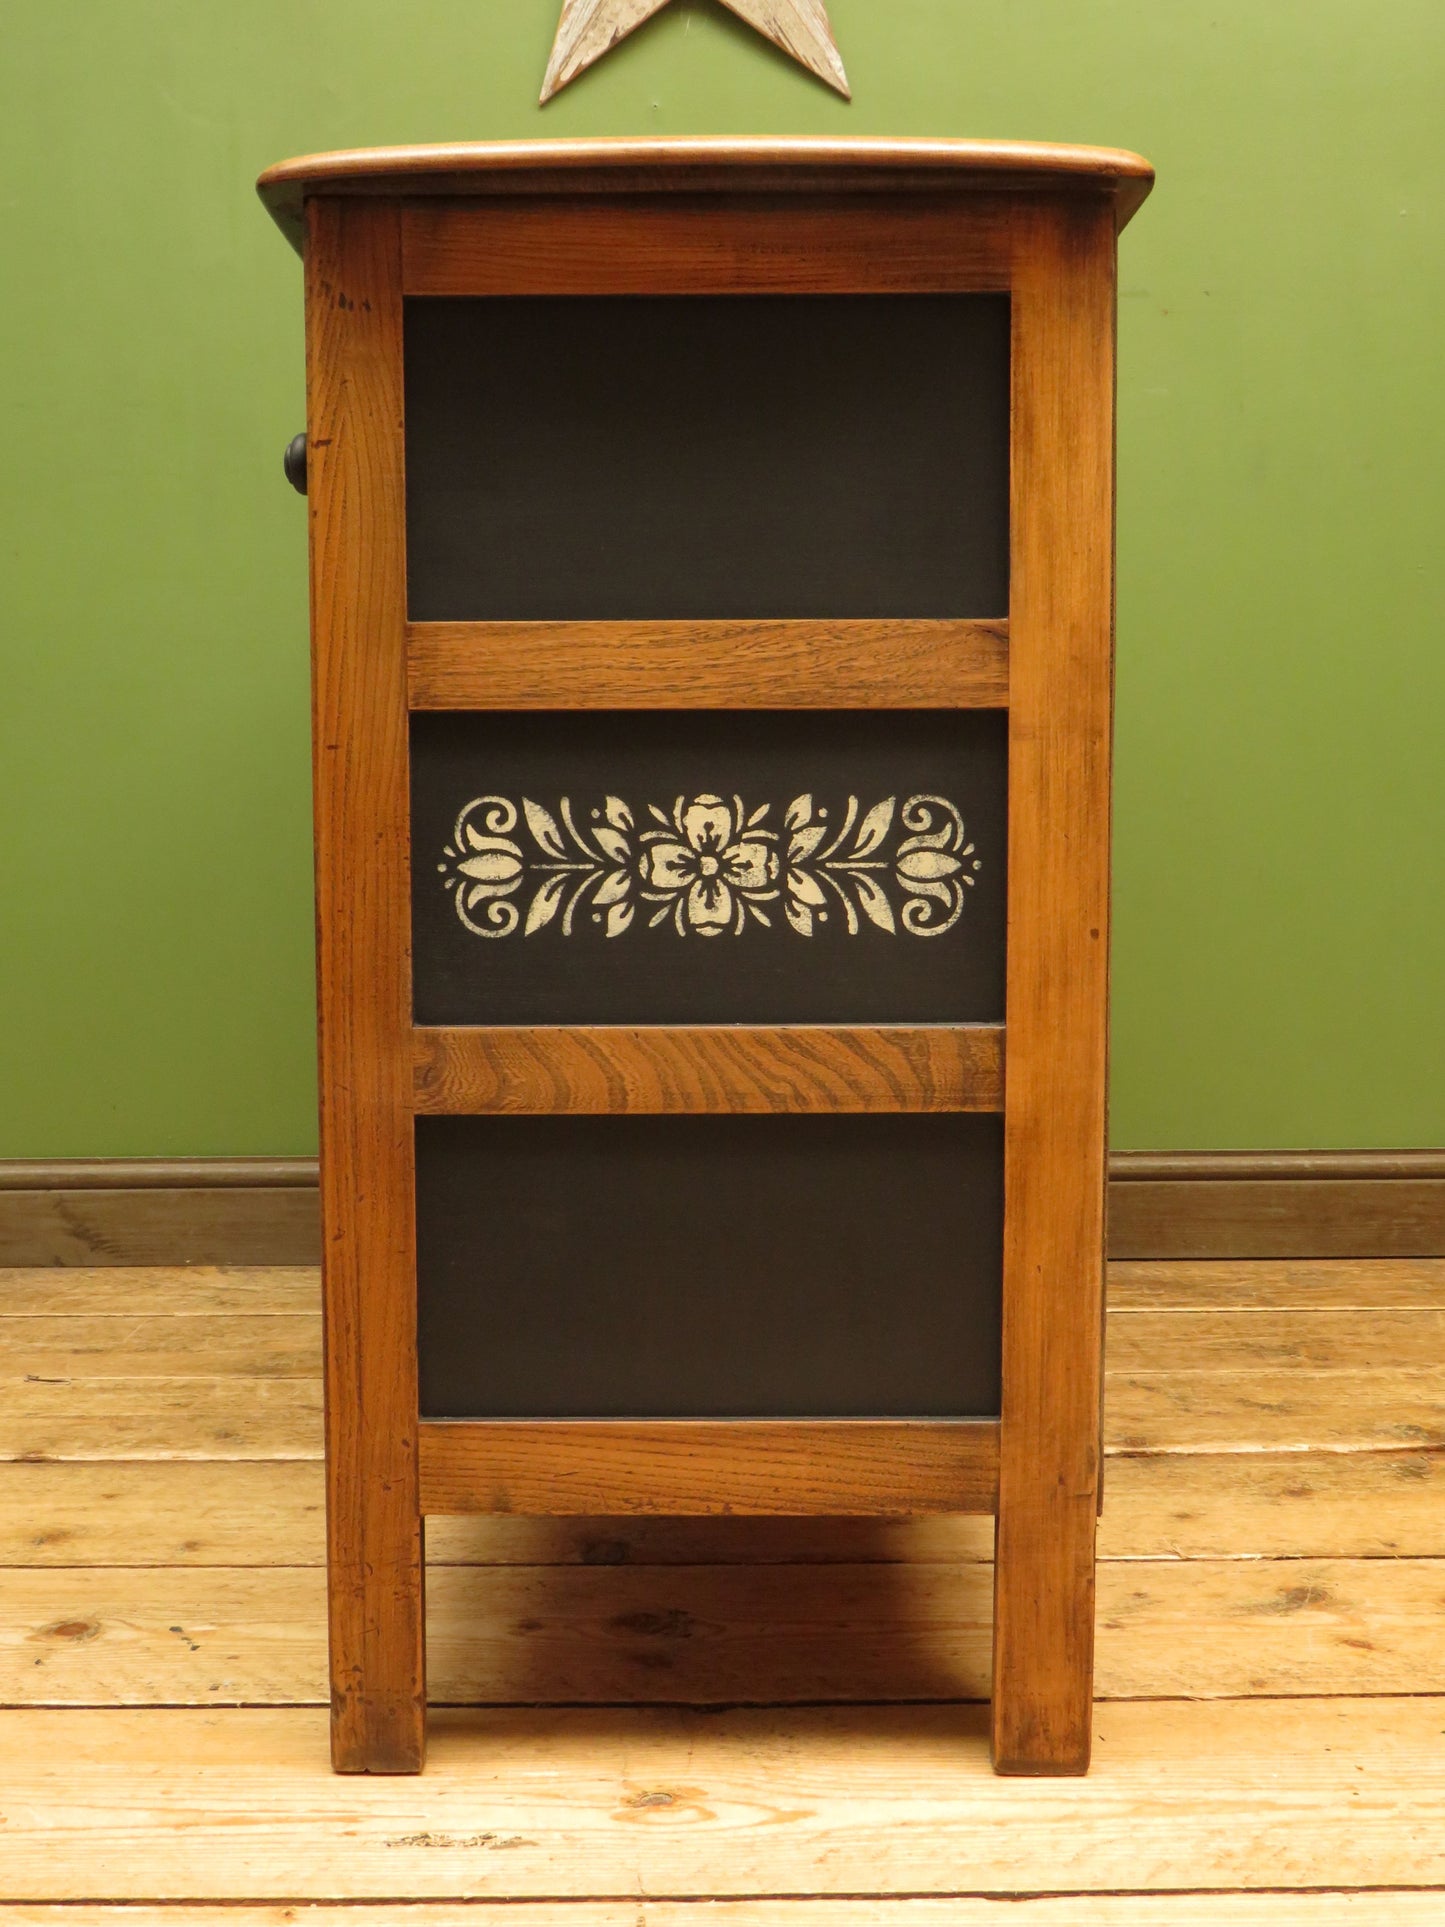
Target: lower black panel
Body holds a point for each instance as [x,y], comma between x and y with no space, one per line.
[709,1267]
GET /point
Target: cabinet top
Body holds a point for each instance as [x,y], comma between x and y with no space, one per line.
[706,165]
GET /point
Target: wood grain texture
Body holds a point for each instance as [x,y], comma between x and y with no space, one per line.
[701,1466]
[163,1514]
[1171,1343]
[1398,1907]
[358,606]
[1348,1284]
[702,165]
[73,1416]
[202,1346]
[207,1811]
[712,1635]
[1250,1505]
[1245,1505]
[95,1222]
[734,1068]
[590,28]
[146,1174]
[1282,1409]
[707,665]
[203,1803]
[1152,1167]
[586,30]
[801,29]
[151,1225]
[873,244]
[177,1291]
[1286,1216]
[1244,1399]
[1061,673]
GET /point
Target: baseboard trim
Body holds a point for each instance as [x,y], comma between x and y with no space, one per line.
[1277,1204]
[1162,1204]
[160,1211]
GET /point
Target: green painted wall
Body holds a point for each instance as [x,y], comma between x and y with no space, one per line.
[1280,938]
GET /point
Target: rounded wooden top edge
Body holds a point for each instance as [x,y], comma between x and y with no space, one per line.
[703,163]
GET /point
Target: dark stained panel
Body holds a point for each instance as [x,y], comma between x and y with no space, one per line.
[708,1267]
[582,457]
[709,867]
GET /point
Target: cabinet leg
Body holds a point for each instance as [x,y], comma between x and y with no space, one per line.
[1043,1637]
[356,494]
[378,1657]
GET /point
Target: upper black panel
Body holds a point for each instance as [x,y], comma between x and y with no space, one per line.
[595,457]
[755,866]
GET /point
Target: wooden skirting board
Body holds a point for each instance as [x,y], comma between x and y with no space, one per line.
[1277,1204]
[1188,1204]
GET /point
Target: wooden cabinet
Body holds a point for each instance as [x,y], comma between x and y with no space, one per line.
[712,583]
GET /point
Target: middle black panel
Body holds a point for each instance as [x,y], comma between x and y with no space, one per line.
[709,867]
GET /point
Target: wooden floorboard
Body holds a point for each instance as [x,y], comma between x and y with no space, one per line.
[1294,1284]
[1377,1908]
[1271,1649]
[771,1634]
[1194,1344]
[1283,1409]
[130,1345]
[55,1291]
[1318,1505]
[622,1803]
[1284,1284]
[108,1382]
[70,1416]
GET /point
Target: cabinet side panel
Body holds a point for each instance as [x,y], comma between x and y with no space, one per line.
[1057,984]
[353,308]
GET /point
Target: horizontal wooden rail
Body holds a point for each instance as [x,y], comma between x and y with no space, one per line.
[701,1466]
[867,244]
[708,665]
[723,1068]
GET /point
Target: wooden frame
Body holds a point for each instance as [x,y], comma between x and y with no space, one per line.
[886,244]
[1060,692]
[363,951]
[688,1069]
[697,1467]
[697,665]
[1037,223]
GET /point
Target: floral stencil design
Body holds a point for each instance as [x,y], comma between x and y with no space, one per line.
[710,866]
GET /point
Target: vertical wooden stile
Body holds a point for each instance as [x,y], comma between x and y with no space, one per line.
[355,460]
[1060,633]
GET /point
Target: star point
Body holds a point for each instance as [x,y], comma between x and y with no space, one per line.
[588,29]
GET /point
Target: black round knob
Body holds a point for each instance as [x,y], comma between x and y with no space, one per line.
[294,462]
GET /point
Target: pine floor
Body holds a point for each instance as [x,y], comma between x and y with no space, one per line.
[727,1723]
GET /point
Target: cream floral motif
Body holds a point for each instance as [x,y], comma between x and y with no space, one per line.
[710,866]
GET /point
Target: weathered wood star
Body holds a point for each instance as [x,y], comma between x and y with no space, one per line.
[590,28]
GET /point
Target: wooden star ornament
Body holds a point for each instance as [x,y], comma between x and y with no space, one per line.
[590,28]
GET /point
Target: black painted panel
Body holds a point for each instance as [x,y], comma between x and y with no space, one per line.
[709,867]
[583,457]
[705,1267]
